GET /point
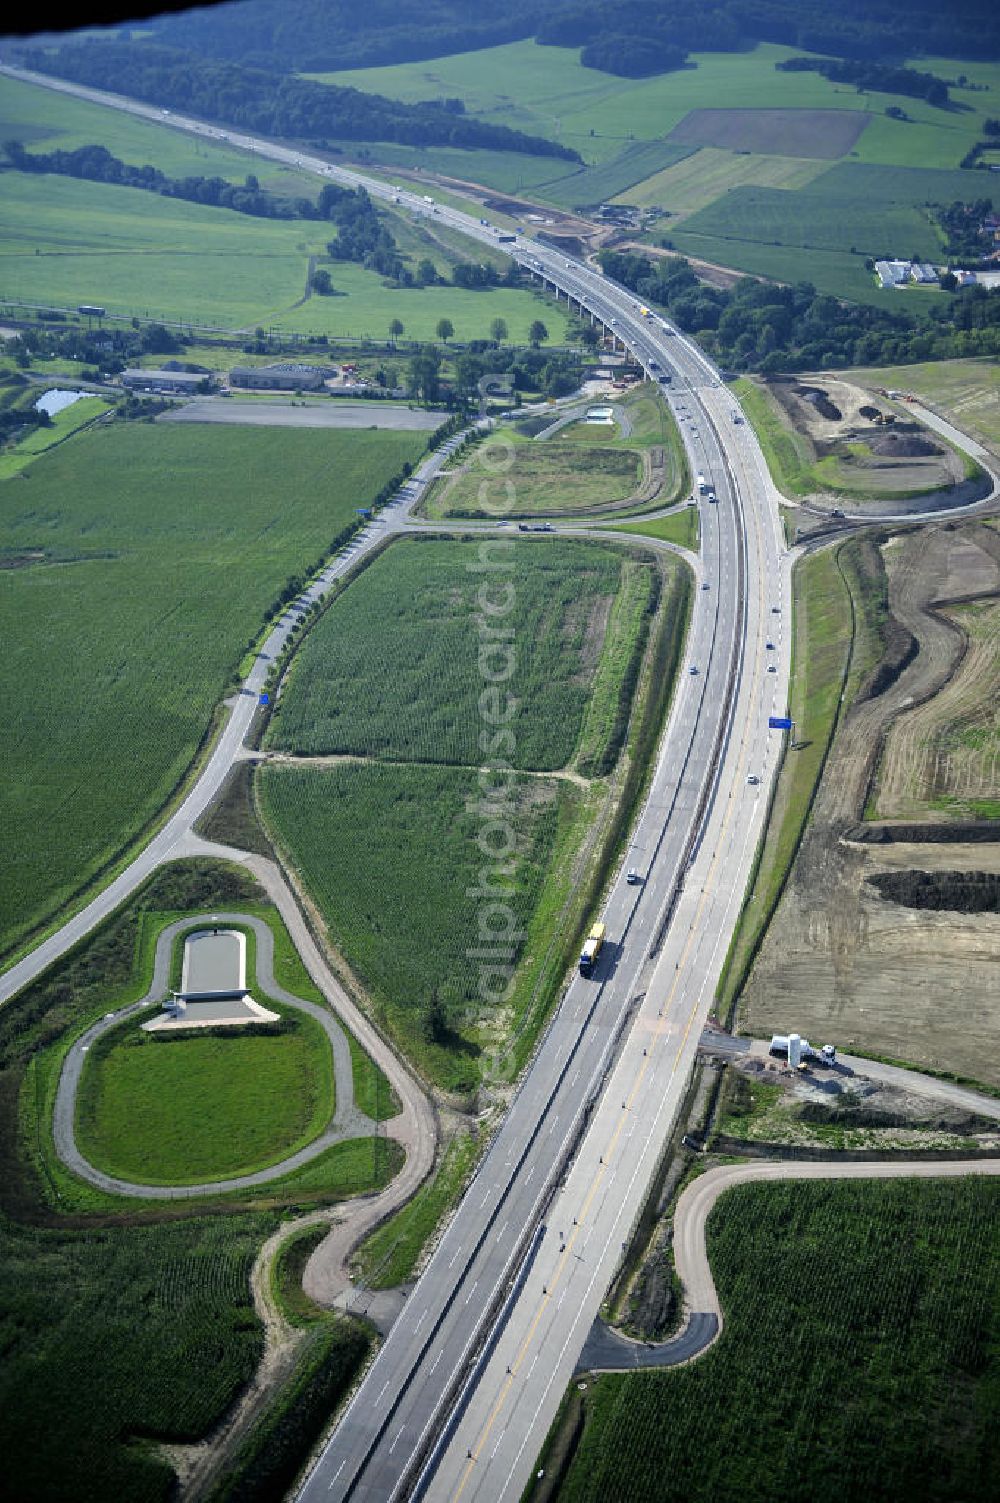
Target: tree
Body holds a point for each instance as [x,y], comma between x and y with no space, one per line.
[427,273]
[445,329]
[498,330]
[537,333]
[321,283]
[395,329]
[423,373]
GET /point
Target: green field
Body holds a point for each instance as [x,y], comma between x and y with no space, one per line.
[116,1333]
[549,479]
[411,621]
[742,172]
[707,174]
[183,1110]
[389,854]
[546,90]
[391,1254]
[859,1358]
[65,242]
[681,527]
[162,549]
[390,849]
[46,120]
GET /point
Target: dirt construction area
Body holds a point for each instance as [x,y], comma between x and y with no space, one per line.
[907,966]
[863,443]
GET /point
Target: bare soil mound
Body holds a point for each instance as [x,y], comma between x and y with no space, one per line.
[958,892]
[901,443]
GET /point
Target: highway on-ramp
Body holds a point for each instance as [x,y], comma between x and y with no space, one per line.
[461,1394]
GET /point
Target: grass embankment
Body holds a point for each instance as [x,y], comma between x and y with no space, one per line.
[391,1254]
[544,479]
[152,557]
[332,1352]
[795,469]
[582,468]
[858,1358]
[837,616]
[680,528]
[787,453]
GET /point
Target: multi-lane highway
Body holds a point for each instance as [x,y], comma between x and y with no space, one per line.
[461,1394]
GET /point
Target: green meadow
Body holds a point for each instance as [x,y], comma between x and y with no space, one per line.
[149,557]
[64,241]
[546,90]
[764,201]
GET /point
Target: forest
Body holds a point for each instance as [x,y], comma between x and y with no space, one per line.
[632,37]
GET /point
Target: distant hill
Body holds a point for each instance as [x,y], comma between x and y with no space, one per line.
[631,37]
[273,103]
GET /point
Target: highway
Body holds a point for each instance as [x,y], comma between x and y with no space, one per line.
[462,1393]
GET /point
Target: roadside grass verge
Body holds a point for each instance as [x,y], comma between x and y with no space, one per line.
[787,454]
[681,528]
[392,1253]
[822,633]
[606,720]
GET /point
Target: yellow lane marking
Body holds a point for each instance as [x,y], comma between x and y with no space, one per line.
[605,1159]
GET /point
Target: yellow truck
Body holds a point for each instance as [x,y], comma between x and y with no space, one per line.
[591,949]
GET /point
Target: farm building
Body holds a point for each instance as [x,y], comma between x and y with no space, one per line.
[178,381]
[893,273]
[282,376]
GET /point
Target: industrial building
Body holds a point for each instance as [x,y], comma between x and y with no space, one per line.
[281,376]
[173,381]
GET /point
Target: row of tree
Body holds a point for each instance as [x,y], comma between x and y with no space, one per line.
[760,326]
[97,164]
[879,78]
